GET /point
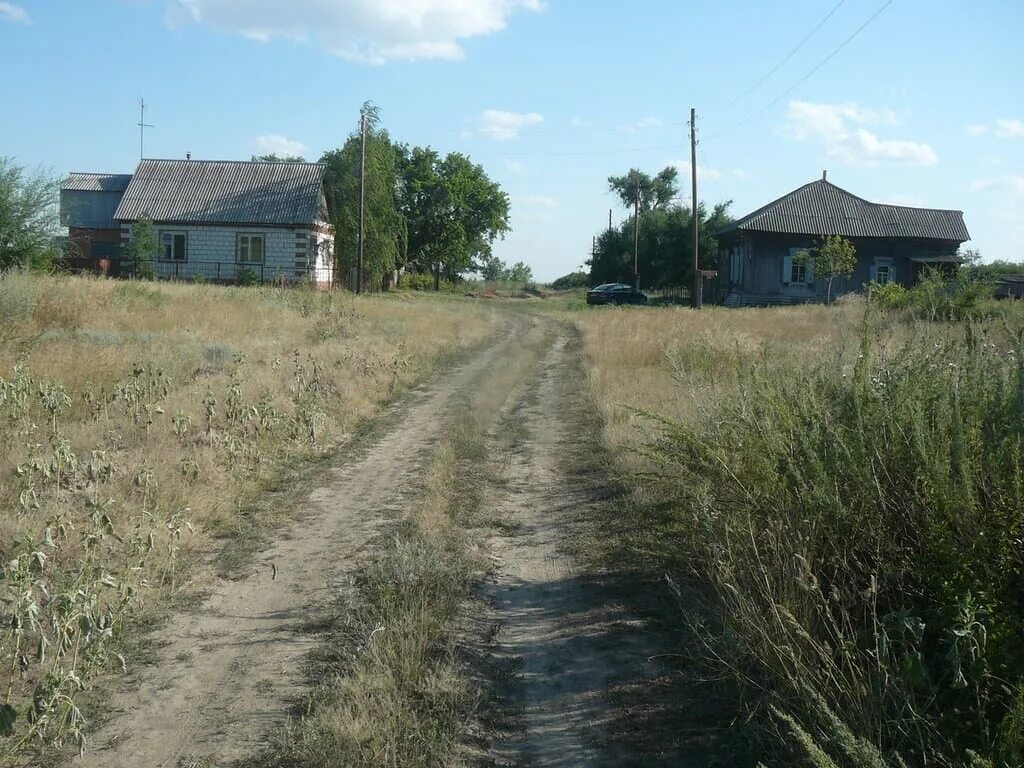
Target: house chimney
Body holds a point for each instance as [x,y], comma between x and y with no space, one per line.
[188,155]
[824,175]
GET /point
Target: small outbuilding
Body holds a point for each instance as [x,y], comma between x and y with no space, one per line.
[760,254]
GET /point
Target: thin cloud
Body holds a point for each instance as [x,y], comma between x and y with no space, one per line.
[276,144]
[1008,183]
[505,126]
[537,201]
[839,128]
[370,31]
[15,13]
[644,124]
[1002,128]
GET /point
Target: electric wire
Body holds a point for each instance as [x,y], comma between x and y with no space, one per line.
[805,78]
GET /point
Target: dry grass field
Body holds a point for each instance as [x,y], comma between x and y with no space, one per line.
[149,437]
[835,494]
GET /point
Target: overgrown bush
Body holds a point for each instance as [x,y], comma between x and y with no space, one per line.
[862,526]
[939,296]
[247,276]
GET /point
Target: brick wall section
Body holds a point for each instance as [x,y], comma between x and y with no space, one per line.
[212,252]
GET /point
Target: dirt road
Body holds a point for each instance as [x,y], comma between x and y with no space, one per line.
[234,667]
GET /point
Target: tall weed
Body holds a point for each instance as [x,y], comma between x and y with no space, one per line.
[862,523]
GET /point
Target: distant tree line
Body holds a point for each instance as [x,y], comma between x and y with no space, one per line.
[665,253]
[425,213]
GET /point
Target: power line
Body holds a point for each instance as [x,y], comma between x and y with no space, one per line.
[806,77]
[788,56]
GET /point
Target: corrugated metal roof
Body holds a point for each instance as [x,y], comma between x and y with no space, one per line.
[224,192]
[822,208]
[96,182]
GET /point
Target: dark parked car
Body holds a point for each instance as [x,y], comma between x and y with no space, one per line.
[615,293]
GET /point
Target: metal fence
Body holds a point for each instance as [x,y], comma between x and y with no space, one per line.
[228,272]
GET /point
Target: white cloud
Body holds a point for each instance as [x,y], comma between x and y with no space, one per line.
[505,126]
[704,172]
[643,124]
[839,128]
[372,31]
[275,144]
[515,166]
[577,122]
[12,12]
[1009,183]
[537,201]
[1003,128]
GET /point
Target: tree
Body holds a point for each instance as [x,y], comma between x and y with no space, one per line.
[276,158]
[452,210]
[143,246]
[28,216]
[519,273]
[834,257]
[666,246]
[656,192]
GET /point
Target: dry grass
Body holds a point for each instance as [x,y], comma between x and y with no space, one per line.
[184,403]
[818,480]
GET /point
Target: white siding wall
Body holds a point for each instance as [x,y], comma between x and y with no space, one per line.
[212,252]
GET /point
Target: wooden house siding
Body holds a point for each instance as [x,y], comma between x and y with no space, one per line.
[755,264]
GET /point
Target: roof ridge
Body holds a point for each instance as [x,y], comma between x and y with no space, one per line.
[237,162]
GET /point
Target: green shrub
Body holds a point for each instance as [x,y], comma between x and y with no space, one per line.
[572,280]
[423,281]
[889,295]
[199,278]
[247,276]
[861,525]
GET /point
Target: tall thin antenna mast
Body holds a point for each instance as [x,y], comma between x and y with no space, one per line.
[143,125]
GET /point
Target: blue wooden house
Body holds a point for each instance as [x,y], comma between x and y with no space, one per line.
[760,259]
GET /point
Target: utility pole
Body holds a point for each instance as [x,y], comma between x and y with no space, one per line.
[609,219]
[362,201]
[698,282]
[636,237]
[143,125]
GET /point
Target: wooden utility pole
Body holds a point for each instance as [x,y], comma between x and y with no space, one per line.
[636,238]
[143,125]
[362,201]
[698,282]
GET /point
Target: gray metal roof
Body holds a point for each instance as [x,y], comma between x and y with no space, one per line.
[224,192]
[822,208]
[96,182]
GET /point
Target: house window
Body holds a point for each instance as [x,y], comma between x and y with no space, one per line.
[173,246]
[798,272]
[798,267]
[883,271]
[250,249]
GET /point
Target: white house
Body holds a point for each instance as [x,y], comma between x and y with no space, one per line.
[231,221]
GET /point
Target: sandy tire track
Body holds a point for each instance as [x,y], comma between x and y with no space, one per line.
[570,635]
[233,667]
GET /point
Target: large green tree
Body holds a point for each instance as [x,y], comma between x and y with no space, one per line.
[453,212]
[385,231]
[28,215]
[666,246]
[650,192]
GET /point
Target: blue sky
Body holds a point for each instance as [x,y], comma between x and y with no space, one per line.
[924,106]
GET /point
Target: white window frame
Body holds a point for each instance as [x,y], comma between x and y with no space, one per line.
[167,243]
[244,242]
